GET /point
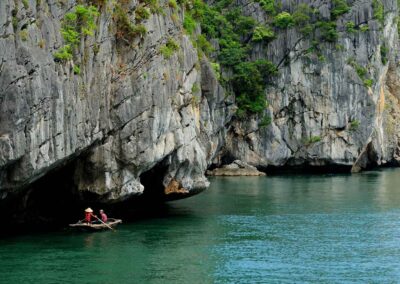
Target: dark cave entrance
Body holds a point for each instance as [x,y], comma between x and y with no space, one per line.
[53,201]
[48,203]
[152,180]
[53,197]
[151,204]
[224,158]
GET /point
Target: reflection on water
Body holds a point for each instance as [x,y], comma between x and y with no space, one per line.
[281,229]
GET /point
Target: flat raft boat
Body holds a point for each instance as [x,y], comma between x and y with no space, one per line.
[81,225]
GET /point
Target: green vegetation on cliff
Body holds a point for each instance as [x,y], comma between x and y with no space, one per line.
[284,20]
[125,30]
[361,71]
[234,36]
[232,31]
[229,37]
[262,33]
[340,7]
[379,14]
[169,48]
[81,22]
[75,25]
[269,6]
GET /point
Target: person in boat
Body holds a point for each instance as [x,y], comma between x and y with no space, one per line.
[103,216]
[89,215]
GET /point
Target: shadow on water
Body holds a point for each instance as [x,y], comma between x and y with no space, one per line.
[52,202]
[132,212]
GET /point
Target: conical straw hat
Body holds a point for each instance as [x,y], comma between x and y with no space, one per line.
[89,210]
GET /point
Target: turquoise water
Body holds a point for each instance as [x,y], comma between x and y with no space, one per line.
[280,229]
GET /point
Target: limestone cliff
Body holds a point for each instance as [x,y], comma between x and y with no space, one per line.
[116,109]
[121,97]
[336,107]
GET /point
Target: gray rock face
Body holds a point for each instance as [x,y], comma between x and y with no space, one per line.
[323,113]
[128,111]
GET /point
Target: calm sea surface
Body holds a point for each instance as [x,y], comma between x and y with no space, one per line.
[280,229]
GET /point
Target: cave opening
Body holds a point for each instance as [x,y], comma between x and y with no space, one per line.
[152,180]
[54,201]
[48,203]
[151,203]
[224,158]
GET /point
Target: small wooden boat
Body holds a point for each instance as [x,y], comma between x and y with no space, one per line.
[82,225]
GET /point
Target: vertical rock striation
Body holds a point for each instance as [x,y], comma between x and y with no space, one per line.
[130,108]
[323,112]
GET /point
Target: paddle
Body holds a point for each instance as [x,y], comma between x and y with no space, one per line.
[103,222]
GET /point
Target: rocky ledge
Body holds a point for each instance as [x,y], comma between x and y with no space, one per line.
[237,168]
